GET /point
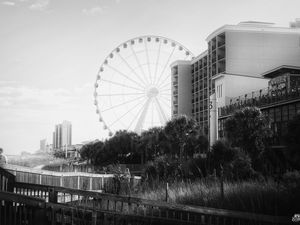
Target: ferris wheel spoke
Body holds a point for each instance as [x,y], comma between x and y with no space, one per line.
[123,103]
[164,81]
[168,94]
[161,111]
[167,105]
[120,94]
[164,85]
[128,111]
[157,60]
[122,85]
[152,113]
[166,100]
[148,62]
[165,90]
[124,75]
[139,65]
[141,120]
[137,116]
[132,70]
[165,66]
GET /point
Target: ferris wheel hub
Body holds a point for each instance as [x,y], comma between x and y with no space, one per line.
[152,92]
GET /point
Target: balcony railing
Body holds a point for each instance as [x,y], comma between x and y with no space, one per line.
[263,99]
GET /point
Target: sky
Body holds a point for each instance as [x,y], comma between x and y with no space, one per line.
[51,50]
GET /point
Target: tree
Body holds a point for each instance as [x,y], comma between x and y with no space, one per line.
[152,143]
[89,151]
[2,157]
[59,153]
[121,148]
[221,154]
[293,142]
[185,136]
[248,129]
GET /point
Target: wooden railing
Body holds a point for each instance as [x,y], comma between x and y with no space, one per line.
[136,207]
[83,181]
[20,210]
[43,204]
[23,210]
[6,180]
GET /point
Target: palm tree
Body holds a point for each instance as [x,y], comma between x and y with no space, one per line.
[183,131]
[151,143]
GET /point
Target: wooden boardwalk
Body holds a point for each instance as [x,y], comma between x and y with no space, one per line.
[23,203]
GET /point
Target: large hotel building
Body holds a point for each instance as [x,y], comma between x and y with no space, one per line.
[241,60]
[62,135]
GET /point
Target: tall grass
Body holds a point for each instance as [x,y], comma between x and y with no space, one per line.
[265,197]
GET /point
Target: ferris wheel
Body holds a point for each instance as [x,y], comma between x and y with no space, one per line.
[133,84]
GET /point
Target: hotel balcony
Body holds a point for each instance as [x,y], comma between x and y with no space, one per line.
[261,99]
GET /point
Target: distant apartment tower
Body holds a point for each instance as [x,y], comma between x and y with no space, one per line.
[62,136]
[240,52]
[43,144]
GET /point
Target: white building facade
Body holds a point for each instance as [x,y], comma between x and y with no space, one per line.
[233,64]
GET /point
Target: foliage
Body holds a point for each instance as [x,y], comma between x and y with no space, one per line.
[89,151]
[293,142]
[121,148]
[165,168]
[221,153]
[2,158]
[185,137]
[59,153]
[234,161]
[153,143]
[241,166]
[248,129]
[130,148]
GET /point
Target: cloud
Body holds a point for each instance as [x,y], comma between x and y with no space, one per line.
[93,11]
[39,5]
[23,98]
[8,3]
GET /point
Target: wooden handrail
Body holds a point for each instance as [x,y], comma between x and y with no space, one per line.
[6,173]
[161,205]
[9,180]
[52,173]
[27,200]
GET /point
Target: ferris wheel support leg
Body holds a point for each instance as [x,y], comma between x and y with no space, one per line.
[161,112]
[139,124]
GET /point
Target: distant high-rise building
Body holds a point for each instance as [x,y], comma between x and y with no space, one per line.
[62,136]
[43,144]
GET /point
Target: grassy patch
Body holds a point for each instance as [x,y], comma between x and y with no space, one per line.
[265,197]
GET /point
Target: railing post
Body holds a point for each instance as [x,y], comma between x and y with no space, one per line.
[91,183]
[61,181]
[222,182]
[167,192]
[39,215]
[94,218]
[52,195]
[78,182]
